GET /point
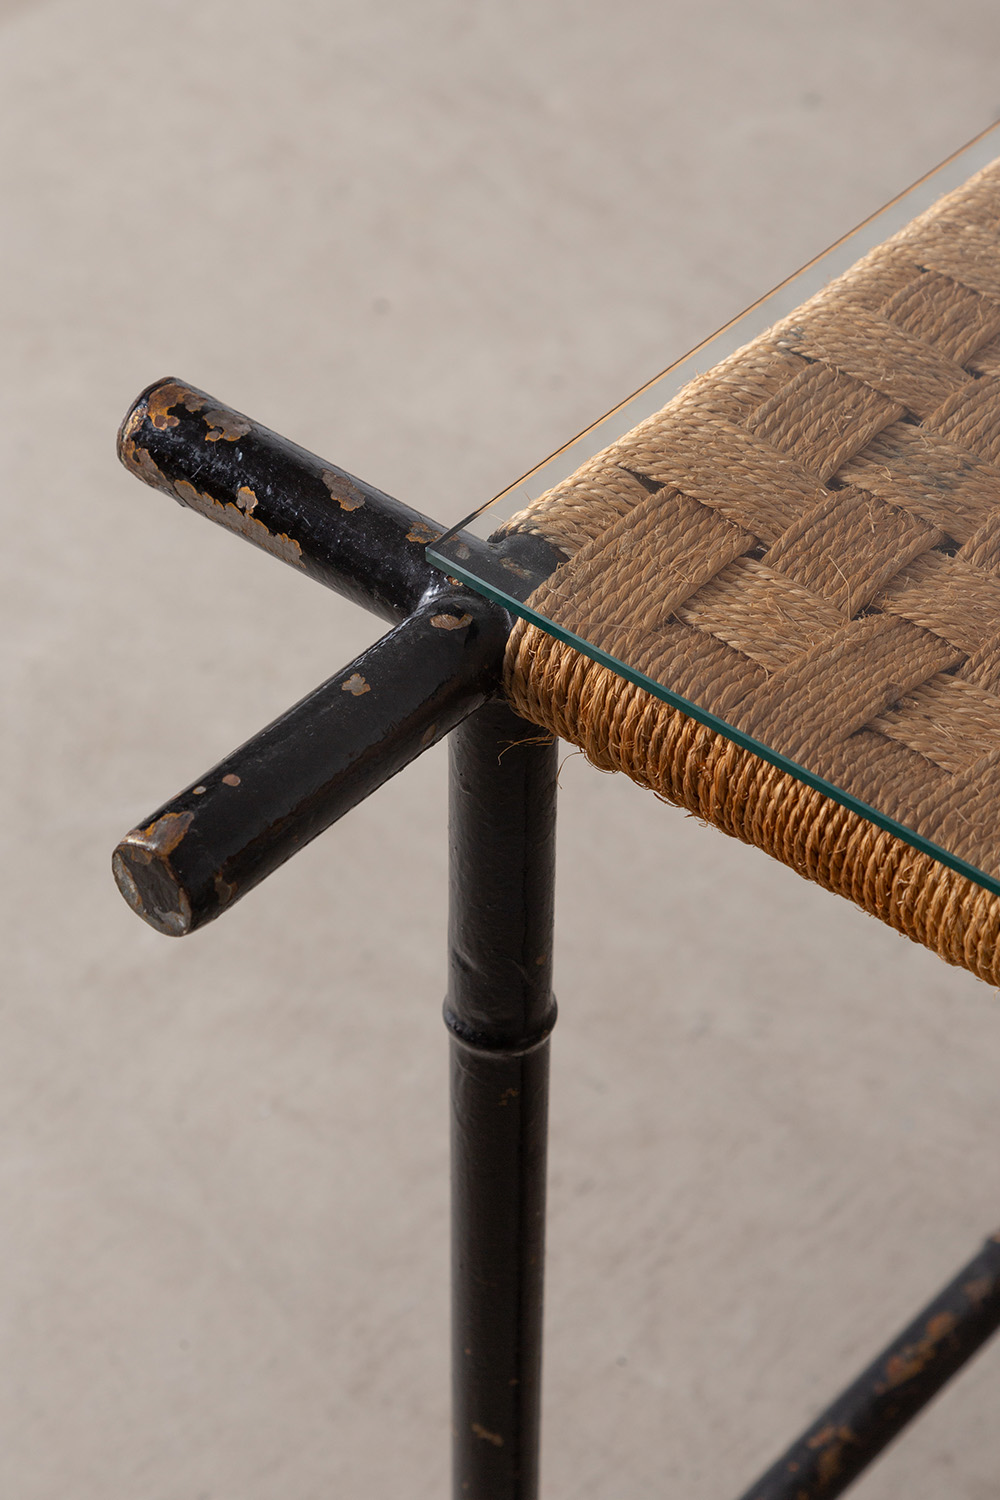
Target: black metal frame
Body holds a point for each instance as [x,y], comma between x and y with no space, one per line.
[439,671]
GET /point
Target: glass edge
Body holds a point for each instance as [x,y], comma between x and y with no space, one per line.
[718,332]
[736,736]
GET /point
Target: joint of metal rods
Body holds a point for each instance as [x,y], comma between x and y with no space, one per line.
[201,851]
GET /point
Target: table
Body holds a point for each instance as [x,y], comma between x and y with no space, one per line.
[604,638]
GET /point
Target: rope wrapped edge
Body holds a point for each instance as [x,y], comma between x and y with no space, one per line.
[621,727]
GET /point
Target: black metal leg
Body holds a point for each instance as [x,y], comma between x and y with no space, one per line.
[500,1012]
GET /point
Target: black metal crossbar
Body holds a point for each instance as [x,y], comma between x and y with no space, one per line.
[853,1431]
[326,523]
[222,835]
[438,670]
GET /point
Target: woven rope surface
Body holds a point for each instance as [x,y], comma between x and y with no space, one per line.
[806,541]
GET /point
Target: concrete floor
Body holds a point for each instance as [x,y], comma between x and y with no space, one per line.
[428,241]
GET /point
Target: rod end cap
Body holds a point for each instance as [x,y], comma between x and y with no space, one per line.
[144,875]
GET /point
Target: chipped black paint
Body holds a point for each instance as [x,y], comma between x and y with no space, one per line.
[218,839]
[339,530]
[893,1390]
[410,689]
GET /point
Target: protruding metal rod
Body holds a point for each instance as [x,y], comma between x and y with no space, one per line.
[499,1011]
[217,839]
[331,526]
[893,1390]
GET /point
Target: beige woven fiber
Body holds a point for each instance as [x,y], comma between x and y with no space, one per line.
[806,541]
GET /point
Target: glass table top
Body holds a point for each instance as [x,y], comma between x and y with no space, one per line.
[876,683]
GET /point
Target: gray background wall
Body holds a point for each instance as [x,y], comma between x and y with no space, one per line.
[428,241]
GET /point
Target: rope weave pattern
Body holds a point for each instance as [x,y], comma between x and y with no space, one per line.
[806,541]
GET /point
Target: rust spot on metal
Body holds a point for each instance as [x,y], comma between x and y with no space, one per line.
[127,446]
[831,1441]
[916,1357]
[224,425]
[224,890]
[420,532]
[830,1461]
[234,519]
[507,1096]
[490,1437]
[161,401]
[450,622]
[198,791]
[940,1327]
[977,1291]
[160,838]
[246,499]
[221,424]
[428,736]
[231,780]
[821,1438]
[355,684]
[513,567]
[133,421]
[343,490]
[137,458]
